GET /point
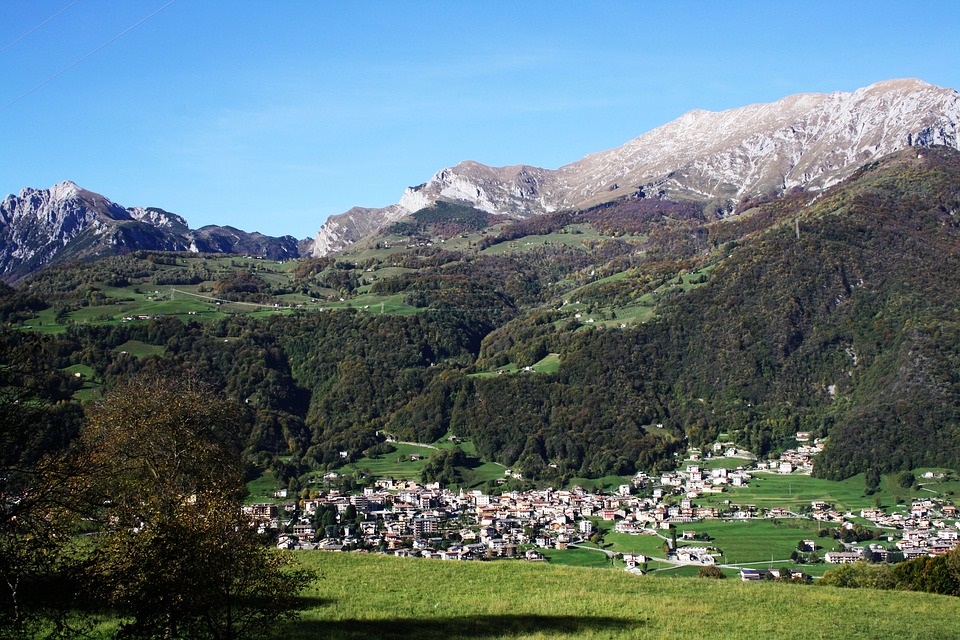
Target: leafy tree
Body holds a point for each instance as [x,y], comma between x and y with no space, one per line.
[906,479]
[859,575]
[444,467]
[939,574]
[178,557]
[872,480]
[711,571]
[37,502]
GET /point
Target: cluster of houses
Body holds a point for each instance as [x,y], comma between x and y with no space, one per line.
[410,519]
[406,518]
[922,531]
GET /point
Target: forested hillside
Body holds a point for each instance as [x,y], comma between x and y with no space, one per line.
[672,322]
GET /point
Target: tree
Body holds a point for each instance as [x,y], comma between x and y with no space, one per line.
[37,586]
[710,571]
[178,557]
[37,503]
[940,574]
[858,575]
[906,479]
[443,467]
[201,574]
[872,481]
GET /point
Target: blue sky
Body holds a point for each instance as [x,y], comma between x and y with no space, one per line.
[271,116]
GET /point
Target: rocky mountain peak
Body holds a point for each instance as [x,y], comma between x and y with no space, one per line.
[64,190]
[67,222]
[811,140]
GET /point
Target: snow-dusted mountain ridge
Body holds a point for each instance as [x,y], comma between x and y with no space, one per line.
[810,140]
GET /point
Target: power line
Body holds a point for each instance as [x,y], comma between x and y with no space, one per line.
[10,44]
[71,66]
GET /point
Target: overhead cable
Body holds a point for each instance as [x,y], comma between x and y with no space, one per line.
[10,44]
[71,66]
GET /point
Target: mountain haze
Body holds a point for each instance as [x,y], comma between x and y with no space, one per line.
[715,158]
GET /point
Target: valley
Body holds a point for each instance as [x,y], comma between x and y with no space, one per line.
[698,365]
[603,281]
[733,512]
[582,344]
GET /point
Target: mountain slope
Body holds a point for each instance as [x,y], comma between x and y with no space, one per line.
[830,311]
[568,346]
[842,322]
[809,140]
[66,222]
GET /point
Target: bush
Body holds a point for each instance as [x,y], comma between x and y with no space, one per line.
[711,571]
[906,479]
[940,574]
[860,575]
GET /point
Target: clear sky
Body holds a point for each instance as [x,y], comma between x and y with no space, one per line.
[272,115]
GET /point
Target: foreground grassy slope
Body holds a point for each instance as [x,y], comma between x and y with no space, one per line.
[381,597]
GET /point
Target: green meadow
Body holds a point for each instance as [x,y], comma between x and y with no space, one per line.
[262,488]
[405,463]
[576,557]
[370,596]
[90,390]
[796,491]
[408,460]
[548,364]
[139,349]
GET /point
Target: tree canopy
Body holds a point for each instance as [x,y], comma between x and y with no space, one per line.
[178,556]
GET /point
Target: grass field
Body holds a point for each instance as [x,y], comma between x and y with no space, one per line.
[140,349]
[401,465]
[92,386]
[398,465]
[606,483]
[576,558]
[796,490]
[720,462]
[759,540]
[368,596]
[648,545]
[548,364]
[261,489]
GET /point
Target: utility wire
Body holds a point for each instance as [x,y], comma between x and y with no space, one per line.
[10,44]
[71,66]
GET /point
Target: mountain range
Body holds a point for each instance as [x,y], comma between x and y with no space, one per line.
[565,340]
[714,161]
[42,227]
[570,344]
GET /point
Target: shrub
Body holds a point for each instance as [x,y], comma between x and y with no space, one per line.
[711,571]
[860,575]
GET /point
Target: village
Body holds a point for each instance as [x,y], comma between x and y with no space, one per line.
[410,519]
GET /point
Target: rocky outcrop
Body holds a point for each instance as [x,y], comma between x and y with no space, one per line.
[215,239]
[39,227]
[810,140]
